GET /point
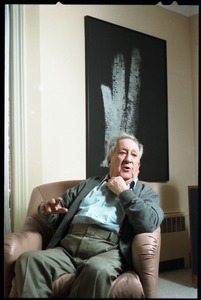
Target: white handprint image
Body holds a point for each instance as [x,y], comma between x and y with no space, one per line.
[121,106]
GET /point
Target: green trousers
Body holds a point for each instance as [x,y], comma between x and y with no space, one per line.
[90,254]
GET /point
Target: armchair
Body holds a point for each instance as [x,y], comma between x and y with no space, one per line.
[141,282]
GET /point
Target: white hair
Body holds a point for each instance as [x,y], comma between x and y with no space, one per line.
[123,135]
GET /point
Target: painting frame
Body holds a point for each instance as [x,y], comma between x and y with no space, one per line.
[106,46]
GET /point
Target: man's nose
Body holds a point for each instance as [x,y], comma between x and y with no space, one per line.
[129,157]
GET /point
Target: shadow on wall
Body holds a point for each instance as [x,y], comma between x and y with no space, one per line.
[169,197]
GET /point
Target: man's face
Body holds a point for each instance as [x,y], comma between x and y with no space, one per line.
[125,160]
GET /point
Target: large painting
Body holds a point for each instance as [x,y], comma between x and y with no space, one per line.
[126,90]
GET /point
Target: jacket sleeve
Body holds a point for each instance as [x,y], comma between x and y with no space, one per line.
[78,191]
[142,208]
[53,220]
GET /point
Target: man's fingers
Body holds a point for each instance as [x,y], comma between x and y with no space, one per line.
[62,210]
[53,206]
[58,200]
[54,201]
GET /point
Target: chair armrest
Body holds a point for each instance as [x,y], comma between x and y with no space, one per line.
[145,256]
[127,285]
[19,242]
[14,245]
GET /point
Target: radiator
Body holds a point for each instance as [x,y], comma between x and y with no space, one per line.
[174,238]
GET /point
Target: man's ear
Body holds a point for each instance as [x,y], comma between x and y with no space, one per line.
[108,161]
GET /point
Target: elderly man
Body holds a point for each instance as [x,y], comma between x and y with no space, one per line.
[96,245]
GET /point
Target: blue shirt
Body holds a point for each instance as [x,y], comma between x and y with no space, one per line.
[102,207]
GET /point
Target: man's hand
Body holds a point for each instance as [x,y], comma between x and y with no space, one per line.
[52,207]
[117,185]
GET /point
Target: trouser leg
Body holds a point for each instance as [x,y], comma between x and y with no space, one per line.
[96,260]
[36,270]
[95,276]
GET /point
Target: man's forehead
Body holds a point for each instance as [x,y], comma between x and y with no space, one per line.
[127,143]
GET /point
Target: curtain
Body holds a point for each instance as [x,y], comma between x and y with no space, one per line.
[7,219]
[15,186]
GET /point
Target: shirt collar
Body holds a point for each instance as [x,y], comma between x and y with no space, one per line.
[103,180]
[132,184]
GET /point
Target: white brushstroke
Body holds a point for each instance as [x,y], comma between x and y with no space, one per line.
[133,92]
[121,112]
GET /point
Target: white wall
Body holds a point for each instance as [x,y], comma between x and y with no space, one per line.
[56,86]
[55,91]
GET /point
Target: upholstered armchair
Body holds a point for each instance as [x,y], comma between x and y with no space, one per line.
[140,282]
